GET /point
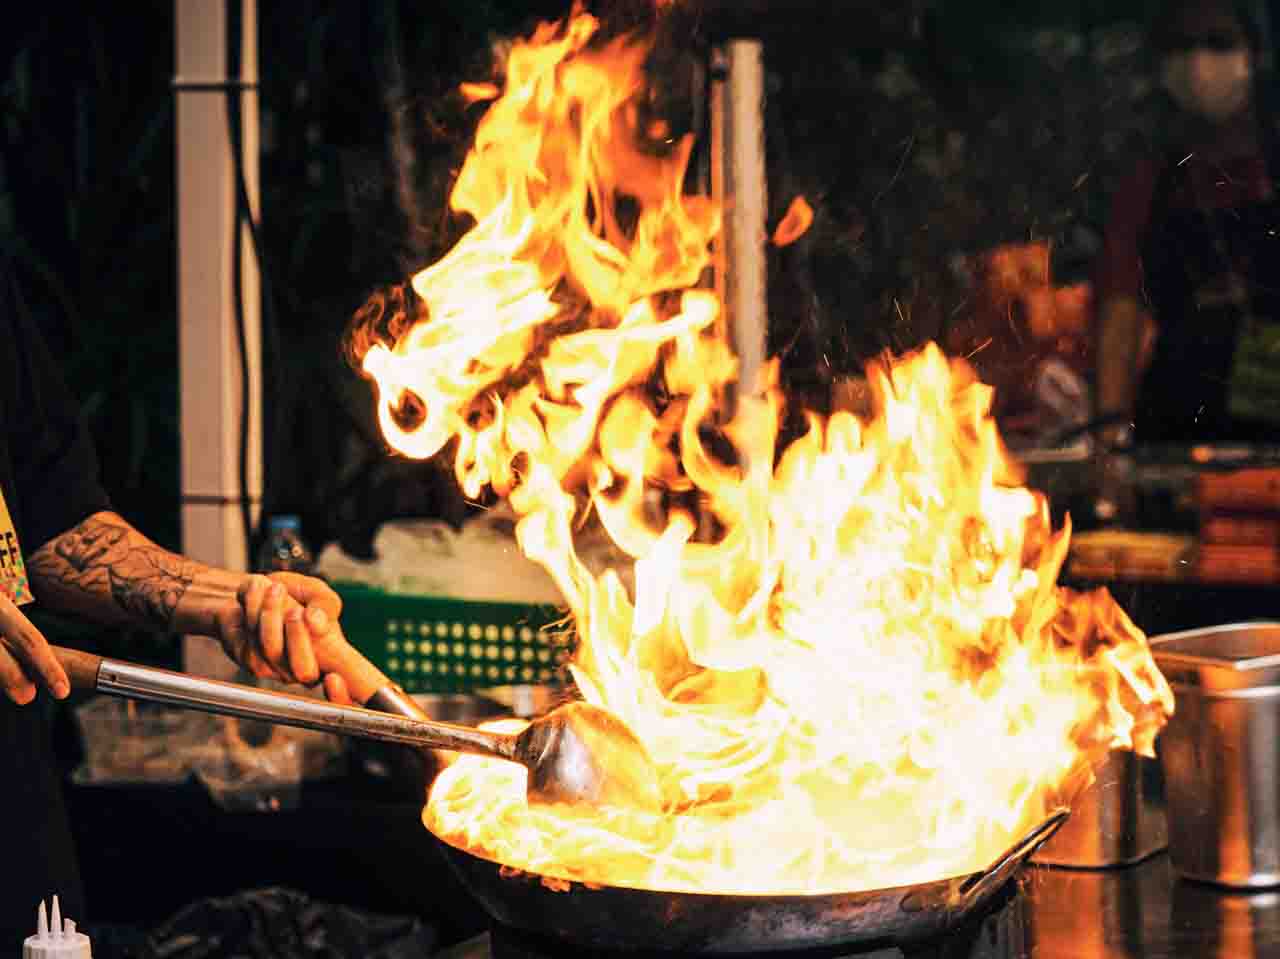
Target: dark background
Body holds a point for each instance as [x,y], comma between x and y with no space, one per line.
[923,135]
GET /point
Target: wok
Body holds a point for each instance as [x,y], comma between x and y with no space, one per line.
[600,917]
[624,919]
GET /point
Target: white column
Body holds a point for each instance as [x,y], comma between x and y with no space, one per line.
[747,205]
[210,372]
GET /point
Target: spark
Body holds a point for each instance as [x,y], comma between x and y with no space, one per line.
[980,347]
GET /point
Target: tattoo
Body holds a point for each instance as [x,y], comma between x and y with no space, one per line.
[102,556]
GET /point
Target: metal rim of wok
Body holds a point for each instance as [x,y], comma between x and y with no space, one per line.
[623,918]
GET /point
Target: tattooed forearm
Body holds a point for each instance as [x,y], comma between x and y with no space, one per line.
[105,560]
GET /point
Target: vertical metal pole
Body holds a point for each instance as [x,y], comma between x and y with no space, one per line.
[717,74]
[747,205]
[209,351]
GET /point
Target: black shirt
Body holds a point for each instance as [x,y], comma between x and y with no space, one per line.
[49,477]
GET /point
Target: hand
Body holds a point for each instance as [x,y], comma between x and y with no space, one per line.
[286,628]
[25,656]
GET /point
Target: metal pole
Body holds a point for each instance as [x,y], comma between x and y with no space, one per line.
[304,712]
[209,351]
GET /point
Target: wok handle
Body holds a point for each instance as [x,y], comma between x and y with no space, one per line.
[366,683]
[364,680]
[978,887]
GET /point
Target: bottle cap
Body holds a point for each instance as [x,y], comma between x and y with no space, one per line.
[57,939]
[285,521]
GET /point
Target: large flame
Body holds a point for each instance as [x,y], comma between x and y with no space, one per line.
[848,657]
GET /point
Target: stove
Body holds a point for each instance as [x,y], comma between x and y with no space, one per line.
[1000,932]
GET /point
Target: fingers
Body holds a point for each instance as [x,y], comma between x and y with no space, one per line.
[271,627]
[14,680]
[27,657]
[318,620]
[311,592]
[302,659]
[259,667]
[335,690]
[252,594]
[286,617]
[240,628]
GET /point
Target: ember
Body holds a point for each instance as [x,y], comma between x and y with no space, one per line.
[864,675]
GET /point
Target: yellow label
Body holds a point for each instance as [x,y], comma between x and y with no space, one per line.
[13,571]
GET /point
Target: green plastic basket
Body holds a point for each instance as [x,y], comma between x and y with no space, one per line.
[434,644]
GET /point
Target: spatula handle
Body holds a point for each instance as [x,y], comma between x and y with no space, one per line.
[149,683]
[81,667]
[335,655]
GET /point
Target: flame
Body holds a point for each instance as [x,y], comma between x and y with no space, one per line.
[477,92]
[794,223]
[846,654]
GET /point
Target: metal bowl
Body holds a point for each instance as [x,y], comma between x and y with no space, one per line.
[465,709]
[527,701]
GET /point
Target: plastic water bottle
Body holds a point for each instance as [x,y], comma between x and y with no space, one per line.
[284,548]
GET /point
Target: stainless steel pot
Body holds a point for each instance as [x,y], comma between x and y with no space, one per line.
[1219,752]
[1117,821]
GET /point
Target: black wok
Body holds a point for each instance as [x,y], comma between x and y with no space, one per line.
[620,918]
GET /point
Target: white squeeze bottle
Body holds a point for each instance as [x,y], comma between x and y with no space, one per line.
[57,939]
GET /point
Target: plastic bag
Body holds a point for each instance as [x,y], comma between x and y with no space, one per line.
[251,766]
[284,924]
[244,765]
[130,742]
[480,563]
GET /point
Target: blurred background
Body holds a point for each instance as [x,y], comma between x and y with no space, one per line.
[960,160]
[926,141]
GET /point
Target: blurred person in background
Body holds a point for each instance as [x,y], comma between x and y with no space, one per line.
[1028,337]
[1188,285]
[61,545]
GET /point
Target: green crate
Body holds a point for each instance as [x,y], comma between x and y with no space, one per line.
[434,644]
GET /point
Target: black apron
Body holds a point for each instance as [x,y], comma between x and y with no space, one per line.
[39,856]
[1212,278]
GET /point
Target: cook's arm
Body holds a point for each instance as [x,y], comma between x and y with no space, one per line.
[107,571]
[1120,361]
[286,626]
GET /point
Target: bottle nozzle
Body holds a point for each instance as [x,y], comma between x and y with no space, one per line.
[55,938]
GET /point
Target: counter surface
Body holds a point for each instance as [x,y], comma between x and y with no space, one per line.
[1139,912]
[1145,912]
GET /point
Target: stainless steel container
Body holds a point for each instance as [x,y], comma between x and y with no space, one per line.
[462,708]
[526,701]
[1219,752]
[1116,821]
